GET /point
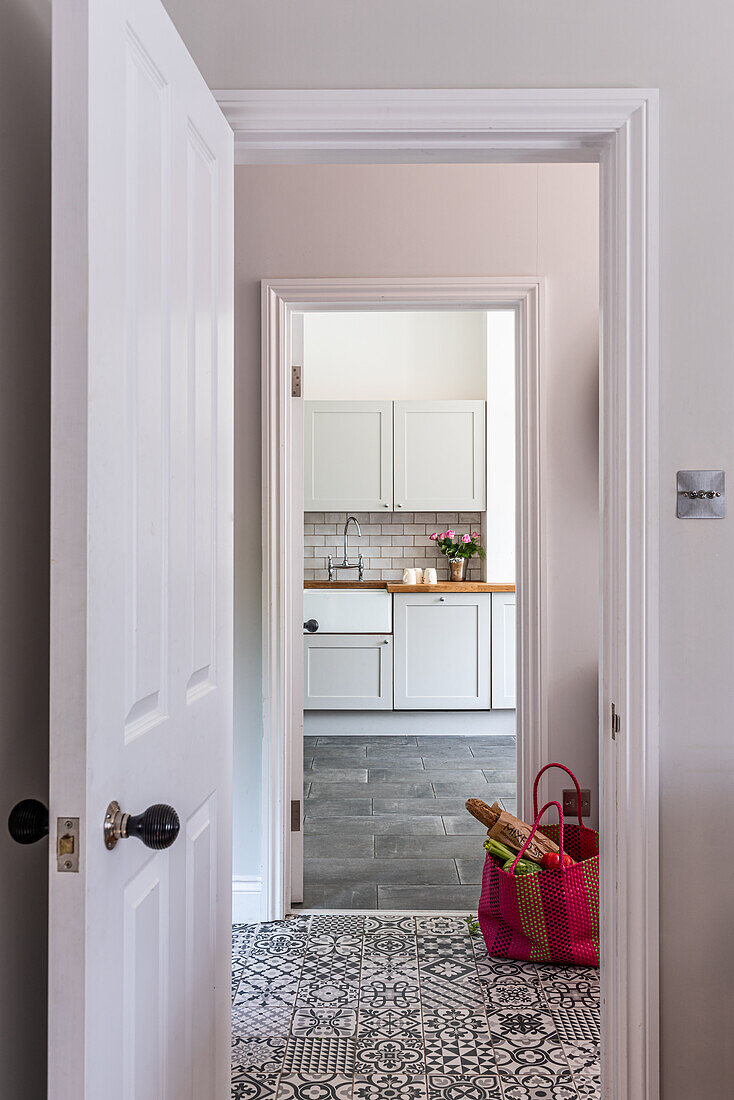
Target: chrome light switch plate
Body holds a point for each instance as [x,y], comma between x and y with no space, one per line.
[701,494]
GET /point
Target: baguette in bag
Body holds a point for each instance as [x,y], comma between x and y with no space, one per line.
[510,830]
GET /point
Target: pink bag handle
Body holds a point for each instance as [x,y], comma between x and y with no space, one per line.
[520,854]
[576,784]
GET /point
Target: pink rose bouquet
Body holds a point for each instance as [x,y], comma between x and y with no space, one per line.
[458,546]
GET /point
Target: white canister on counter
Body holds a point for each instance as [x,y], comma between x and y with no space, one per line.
[418,575]
[430,576]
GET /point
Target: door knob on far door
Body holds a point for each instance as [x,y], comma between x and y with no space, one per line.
[28,821]
[157,827]
[311,625]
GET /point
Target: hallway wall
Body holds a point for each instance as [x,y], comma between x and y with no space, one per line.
[468,220]
[25,140]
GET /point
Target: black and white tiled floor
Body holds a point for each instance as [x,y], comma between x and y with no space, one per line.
[384,820]
[393,1007]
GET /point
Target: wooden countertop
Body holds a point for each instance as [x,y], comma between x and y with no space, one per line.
[397,586]
[345,584]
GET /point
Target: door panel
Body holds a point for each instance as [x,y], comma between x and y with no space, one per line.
[442,651]
[440,455]
[201,943]
[145,1008]
[348,456]
[141,587]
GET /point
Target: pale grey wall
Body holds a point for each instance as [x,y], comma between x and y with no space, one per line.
[24,429]
[448,220]
[684,48]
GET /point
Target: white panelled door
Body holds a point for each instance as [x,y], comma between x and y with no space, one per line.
[141,575]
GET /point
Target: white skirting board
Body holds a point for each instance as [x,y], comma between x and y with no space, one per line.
[246,898]
[431,723]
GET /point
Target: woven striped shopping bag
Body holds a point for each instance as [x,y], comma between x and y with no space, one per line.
[551,916]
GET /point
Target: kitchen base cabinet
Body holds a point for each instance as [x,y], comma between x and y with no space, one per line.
[442,651]
[504,651]
[348,672]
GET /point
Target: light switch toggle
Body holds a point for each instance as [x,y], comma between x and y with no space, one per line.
[701,494]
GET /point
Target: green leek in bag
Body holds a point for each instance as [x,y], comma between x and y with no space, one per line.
[524,866]
[496,848]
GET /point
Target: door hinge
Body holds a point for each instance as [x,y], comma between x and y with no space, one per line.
[296,815]
[616,723]
[295,381]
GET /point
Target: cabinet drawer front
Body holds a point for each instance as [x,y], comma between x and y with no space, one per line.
[442,652]
[348,672]
[346,611]
[347,455]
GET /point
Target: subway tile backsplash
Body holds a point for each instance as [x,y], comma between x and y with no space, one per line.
[390,543]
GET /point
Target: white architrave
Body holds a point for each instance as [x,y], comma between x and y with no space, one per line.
[619,129]
[282,490]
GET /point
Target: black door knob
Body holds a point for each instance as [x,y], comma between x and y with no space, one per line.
[28,821]
[157,827]
[311,626]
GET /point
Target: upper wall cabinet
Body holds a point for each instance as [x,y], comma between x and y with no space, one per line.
[439,461]
[421,456]
[348,447]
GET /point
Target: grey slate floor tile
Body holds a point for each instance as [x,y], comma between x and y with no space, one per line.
[386,813]
[387,825]
[328,846]
[413,788]
[446,804]
[356,895]
[470,871]
[420,872]
[438,897]
[336,807]
[426,847]
[462,825]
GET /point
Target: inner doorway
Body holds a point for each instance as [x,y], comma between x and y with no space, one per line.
[409,679]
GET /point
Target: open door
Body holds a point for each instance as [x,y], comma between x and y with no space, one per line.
[141,574]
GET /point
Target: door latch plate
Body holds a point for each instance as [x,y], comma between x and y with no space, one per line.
[67,844]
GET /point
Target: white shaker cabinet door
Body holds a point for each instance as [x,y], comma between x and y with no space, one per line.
[348,456]
[442,651]
[504,651]
[347,672]
[440,456]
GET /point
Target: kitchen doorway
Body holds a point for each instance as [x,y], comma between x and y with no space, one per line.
[522,299]
[409,677]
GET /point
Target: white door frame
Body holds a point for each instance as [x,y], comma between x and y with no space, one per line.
[283,490]
[619,128]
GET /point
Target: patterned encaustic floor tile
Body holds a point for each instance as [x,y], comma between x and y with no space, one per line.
[397,1007]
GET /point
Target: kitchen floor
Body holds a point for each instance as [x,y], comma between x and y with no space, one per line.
[384,820]
[398,1007]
